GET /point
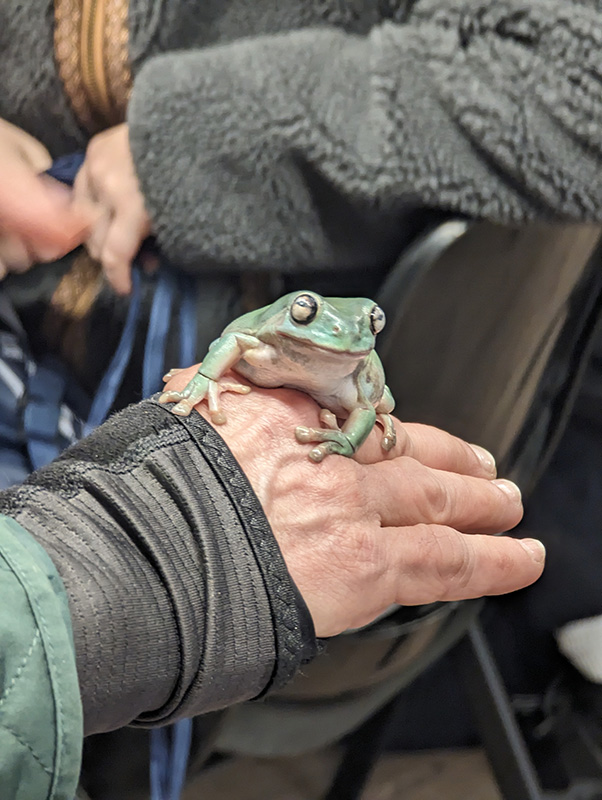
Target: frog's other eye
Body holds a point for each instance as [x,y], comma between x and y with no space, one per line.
[377,320]
[304,309]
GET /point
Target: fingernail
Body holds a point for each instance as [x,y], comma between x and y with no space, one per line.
[486,459]
[535,549]
[509,488]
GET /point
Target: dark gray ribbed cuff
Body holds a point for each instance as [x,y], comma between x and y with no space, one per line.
[180,599]
[293,626]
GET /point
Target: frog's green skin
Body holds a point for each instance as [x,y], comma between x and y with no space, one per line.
[322,346]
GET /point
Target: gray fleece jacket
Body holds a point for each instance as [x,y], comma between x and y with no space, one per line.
[297,135]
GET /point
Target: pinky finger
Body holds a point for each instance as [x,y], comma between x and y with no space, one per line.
[439,563]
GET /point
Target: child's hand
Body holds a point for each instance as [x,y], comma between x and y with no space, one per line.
[38,221]
[107,180]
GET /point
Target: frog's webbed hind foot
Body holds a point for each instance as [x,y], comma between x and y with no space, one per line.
[334,440]
[389,435]
[197,389]
[341,441]
[340,445]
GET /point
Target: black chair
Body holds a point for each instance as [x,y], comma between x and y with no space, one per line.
[489,329]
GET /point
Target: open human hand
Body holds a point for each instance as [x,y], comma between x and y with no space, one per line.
[108,181]
[38,221]
[408,527]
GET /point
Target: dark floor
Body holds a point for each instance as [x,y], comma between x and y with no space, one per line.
[435,775]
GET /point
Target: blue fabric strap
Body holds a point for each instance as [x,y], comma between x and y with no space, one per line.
[188,322]
[65,168]
[158,330]
[109,386]
[170,748]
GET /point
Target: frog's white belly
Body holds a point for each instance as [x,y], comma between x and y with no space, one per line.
[330,378]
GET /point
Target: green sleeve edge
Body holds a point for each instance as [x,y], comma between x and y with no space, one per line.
[44,588]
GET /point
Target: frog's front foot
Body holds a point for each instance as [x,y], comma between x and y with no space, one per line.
[194,391]
[334,441]
[198,389]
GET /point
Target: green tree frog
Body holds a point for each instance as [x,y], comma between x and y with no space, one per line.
[323,346]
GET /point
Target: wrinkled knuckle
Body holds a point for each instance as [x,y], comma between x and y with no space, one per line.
[364,550]
[365,497]
[438,498]
[456,563]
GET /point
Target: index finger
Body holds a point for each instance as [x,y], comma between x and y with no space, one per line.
[433,448]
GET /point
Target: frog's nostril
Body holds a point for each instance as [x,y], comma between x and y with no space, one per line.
[336,328]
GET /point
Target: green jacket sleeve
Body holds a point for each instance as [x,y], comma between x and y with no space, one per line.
[305,150]
[40,709]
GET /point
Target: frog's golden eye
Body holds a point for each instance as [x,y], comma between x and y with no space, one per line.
[377,320]
[304,309]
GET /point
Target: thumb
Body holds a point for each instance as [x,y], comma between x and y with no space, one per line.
[39,210]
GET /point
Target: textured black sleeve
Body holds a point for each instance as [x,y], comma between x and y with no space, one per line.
[180,598]
[304,150]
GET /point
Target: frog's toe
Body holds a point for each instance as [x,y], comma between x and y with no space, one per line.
[329,419]
[183,408]
[389,439]
[334,441]
[303,434]
[388,442]
[317,454]
[171,373]
[170,397]
[238,388]
[320,451]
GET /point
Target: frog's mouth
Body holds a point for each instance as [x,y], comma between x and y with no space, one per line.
[306,344]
